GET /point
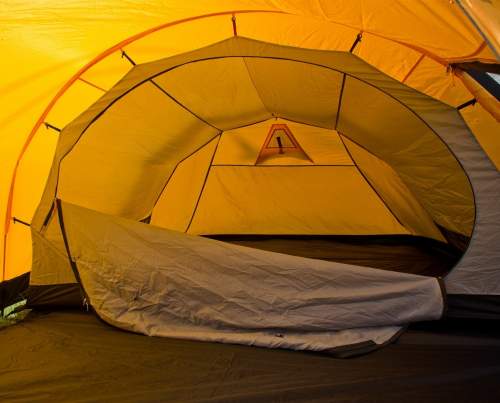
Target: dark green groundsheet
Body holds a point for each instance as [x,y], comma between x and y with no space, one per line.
[70,356]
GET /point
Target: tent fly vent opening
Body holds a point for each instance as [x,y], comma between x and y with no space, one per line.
[279,141]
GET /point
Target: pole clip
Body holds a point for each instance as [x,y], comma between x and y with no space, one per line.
[49,126]
[466,104]
[357,40]
[17,220]
[124,55]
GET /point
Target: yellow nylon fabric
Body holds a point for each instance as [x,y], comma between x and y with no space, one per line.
[290,200]
[50,261]
[486,15]
[240,102]
[297,91]
[147,129]
[177,202]
[394,192]
[446,194]
[45,43]
[226,194]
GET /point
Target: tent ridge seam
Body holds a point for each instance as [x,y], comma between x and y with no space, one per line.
[339,106]
[256,89]
[182,105]
[391,212]
[175,168]
[204,183]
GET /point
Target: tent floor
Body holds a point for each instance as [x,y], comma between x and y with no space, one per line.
[72,356]
[401,253]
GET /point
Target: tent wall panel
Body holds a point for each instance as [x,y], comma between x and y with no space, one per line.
[417,24]
[377,51]
[177,203]
[299,31]
[23,100]
[281,83]
[476,271]
[284,200]
[32,173]
[31,176]
[144,153]
[485,16]
[405,142]
[16,258]
[322,145]
[241,47]
[435,80]
[413,68]
[394,192]
[226,97]
[181,38]
[50,262]
[241,146]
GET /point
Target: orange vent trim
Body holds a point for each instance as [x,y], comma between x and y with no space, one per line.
[280,140]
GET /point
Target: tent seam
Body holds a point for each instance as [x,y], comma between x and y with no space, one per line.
[204,183]
[255,87]
[182,105]
[175,168]
[339,106]
[391,212]
[194,152]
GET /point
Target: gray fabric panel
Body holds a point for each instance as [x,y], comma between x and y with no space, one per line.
[165,283]
[478,272]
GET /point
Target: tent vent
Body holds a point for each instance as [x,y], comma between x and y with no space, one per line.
[281,142]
